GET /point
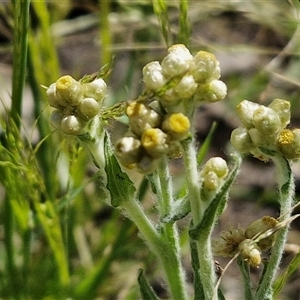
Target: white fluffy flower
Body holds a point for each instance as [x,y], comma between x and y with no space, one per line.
[153,76]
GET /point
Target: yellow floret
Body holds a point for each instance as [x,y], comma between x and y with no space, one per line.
[177,126]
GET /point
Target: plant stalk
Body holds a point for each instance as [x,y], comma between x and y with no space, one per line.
[21,25]
[207,271]
[286,193]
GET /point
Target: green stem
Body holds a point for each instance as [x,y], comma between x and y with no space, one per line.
[207,271]
[245,271]
[192,179]
[21,25]
[165,251]
[9,226]
[105,32]
[172,263]
[286,193]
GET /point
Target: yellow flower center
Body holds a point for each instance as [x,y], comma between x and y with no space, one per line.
[179,123]
[64,82]
[286,137]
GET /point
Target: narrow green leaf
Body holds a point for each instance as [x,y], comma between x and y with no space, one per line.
[184,24]
[161,11]
[215,207]
[206,144]
[146,290]
[283,278]
[21,25]
[118,183]
[50,222]
[198,287]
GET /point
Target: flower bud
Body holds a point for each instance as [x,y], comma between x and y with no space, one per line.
[128,150]
[89,108]
[52,96]
[241,140]
[205,67]
[142,117]
[186,87]
[177,125]
[217,165]
[153,76]
[245,111]
[266,120]
[155,142]
[69,90]
[214,91]
[177,62]
[217,91]
[211,181]
[175,149]
[250,252]
[288,143]
[72,125]
[283,110]
[96,89]
[260,226]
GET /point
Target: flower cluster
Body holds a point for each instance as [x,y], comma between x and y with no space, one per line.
[158,120]
[265,128]
[181,77]
[76,103]
[248,243]
[151,135]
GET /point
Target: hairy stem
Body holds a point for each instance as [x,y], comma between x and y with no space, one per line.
[172,262]
[286,193]
[207,271]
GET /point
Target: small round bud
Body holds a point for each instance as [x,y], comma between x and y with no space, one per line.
[170,98]
[55,119]
[241,140]
[266,120]
[52,96]
[96,89]
[142,117]
[211,181]
[128,150]
[175,149]
[89,108]
[250,252]
[155,142]
[217,165]
[260,226]
[69,90]
[177,62]
[214,91]
[283,110]
[72,125]
[288,143]
[205,67]
[153,76]
[177,125]
[186,87]
[245,111]
[217,91]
